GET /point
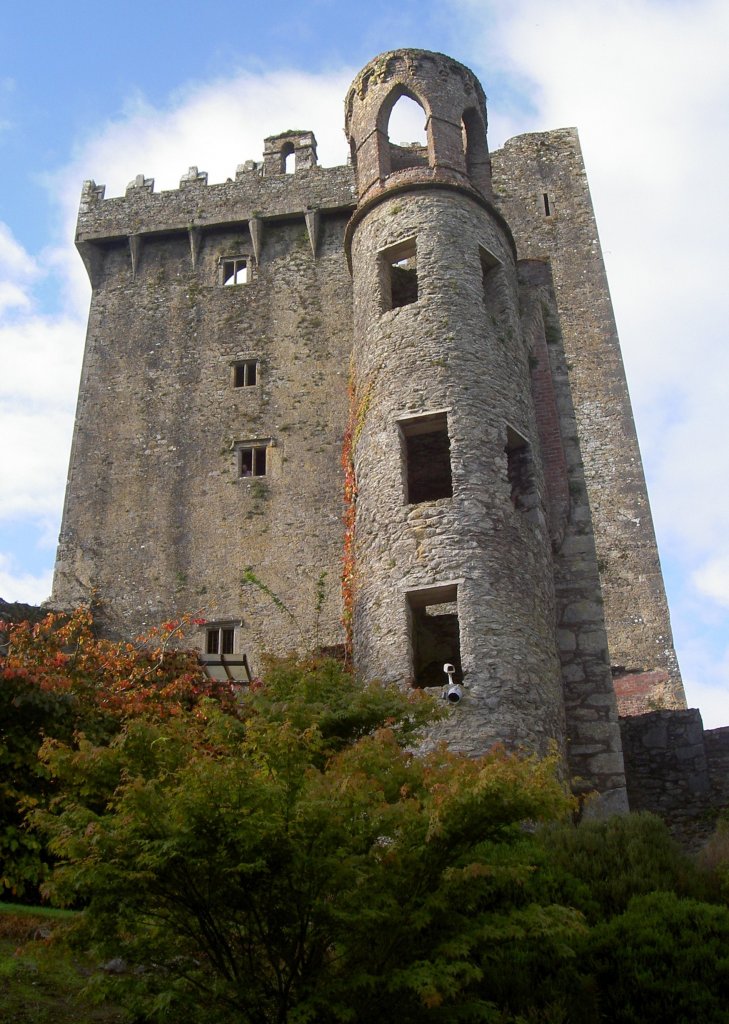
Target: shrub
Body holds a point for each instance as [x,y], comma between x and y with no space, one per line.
[299,863]
[58,680]
[598,866]
[663,959]
[713,860]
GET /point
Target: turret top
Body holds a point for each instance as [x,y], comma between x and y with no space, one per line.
[454,109]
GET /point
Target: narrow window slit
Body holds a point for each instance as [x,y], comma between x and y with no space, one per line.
[519,469]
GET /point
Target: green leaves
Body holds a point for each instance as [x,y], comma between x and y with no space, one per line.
[298,861]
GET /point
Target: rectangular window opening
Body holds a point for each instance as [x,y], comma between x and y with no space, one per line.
[220,640]
[545,198]
[490,279]
[245,373]
[227,640]
[427,457]
[252,460]
[519,468]
[401,273]
[435,634]
[234,271]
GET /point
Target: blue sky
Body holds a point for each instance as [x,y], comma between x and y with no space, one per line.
[106,92]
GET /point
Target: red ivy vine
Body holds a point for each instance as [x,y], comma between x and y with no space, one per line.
[358,407]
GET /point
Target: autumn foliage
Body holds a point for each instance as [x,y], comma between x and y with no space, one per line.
[288,854]
[59,681]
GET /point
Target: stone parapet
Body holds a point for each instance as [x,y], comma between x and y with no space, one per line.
[195,203]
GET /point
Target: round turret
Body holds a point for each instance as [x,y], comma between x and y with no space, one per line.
[454,110]
[452,557]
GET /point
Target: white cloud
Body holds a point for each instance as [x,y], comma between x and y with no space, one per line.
[647,85]
[216,125]
[15,262]
[12,296]
[712,578]
[41,359]
[22,586]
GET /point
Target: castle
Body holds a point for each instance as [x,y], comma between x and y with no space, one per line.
[426,331]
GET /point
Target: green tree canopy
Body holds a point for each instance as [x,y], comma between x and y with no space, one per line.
[297,862]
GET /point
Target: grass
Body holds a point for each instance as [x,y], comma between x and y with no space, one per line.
[41,980]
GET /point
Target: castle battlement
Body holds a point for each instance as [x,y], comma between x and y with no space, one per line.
[196,204]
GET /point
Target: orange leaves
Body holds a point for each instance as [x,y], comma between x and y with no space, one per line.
[115,679]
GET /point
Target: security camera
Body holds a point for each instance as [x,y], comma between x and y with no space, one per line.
[452,691]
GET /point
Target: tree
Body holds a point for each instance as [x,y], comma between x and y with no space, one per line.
[58,680]
[298,862]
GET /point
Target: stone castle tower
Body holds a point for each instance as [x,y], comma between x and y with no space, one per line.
[427,330]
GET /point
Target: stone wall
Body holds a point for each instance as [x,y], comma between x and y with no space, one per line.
[159,519]
[541,187]
[677,770]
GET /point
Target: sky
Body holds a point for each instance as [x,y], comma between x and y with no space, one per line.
[106,92]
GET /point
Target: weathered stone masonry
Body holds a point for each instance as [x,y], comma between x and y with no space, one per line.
[461,296]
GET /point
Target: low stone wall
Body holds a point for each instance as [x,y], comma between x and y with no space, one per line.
[677,770]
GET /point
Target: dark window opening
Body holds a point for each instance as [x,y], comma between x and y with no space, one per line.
[475,148]
[519,468]
[252,460]
[245,373]
[220,640]
[435,635]
[491,280]
[547,211]
[234,271]
[401,267]
[427,450]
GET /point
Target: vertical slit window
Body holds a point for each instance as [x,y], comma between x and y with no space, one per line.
[519,468]
[227,640]
[490,279]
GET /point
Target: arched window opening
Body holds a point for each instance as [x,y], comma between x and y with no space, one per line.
[288,158]
[408,140]
[475,148]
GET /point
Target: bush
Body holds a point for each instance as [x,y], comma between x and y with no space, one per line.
[299,863]
[598,866]
[664,959]
[59,680]
[713,861]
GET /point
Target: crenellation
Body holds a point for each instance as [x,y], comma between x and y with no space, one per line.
[138,184]
[193,177]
